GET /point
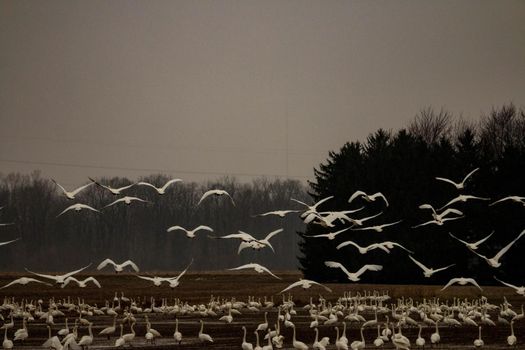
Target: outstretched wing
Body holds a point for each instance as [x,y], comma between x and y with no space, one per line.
[69,279]
[484,239]
[74,272]
[423,267]
[355,195]
[146,278]
[293,285]
[8,242]
[505,283]
[472,281]
[447,180]
[319,284]
[172,181]
[206,195]
[105,263]
[113,203]
[132,264]
[427,206]
[174,228]
[74,192]
[443,268]
[380,195]
[462,241]
[507,247]
[344,244]
[183,272]
[60,186]
[367,268]
[322,201]
[273,233]
[203,227]
[42,275]
[469,175]
[337,265]
[92,279]
[451,282]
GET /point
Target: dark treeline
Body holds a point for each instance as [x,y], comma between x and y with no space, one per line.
[138,231]
[403,166]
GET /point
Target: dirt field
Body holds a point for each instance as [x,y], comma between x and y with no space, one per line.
[198,288]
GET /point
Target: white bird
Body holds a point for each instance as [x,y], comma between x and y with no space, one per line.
[24,281]
[113,190]
[479,342]
[391,245]
[461,281]
[330,235]
[78,207]
[118,267]
[203,337]
[368,198]
[472,246]
[157,281]
[354,277]
[377,228]
[363,250]
[463,198]
[311,208]
[160,190]
[299,345]
[109,330]
[8,242]
[280,213]
[248,241]
[519,290]
[258,268]
[494,261]
[305,284]
[177,335]
[59,279]
[428,272]
[7,343]
[215,193]
[511,339]
[441,215]
[127,200]
[516,199]
[174,281]
[438,222]
[81,283]
[71,194]
[245,345]
[359,222]
[190,233]
[86,340]
[460,185]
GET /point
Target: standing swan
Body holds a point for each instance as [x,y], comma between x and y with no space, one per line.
[420,341]
[435,338]
[7,344]
[479,342]
[245,345]
[86,340]
[511,339]
[203,337]
[299,345]
[338,343]
[359,344]
[177,335]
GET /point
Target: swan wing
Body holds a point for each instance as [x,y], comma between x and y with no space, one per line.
[423,267]
[209,193]
[69,279]
[92,279]
[337,265]
[505,283]
[60,186]
[9,242]
[469,175]
[113,203]
[172,181]
[42,275]
[174,228]
[507,247]
[501,200]
[451,282]
[76,271]
[293,285]
[447,180]
[484,239]
[298,201]
[425,223]
[443,268]
[132,264]
[427,206]
[319,284]
[183,272]
[380,195]
[146,278]
[368,267]
[203,227]
[243,267]
[143,183]
[473,281]
[322,201]
[355,195]
[273,233]
[105,263]
[67,209]
[344,244]
[77,190]
[456,238]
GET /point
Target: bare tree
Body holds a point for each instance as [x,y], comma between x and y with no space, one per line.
[431,126]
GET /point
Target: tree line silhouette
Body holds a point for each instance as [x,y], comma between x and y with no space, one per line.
[403,166]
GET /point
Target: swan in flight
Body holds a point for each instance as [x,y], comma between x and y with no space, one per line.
[9,242]
[157,281]
[391,245]
[81,284]
[71,194]
[439,221]
[519,290]
[190,233]
[440,216]
[330,235]
[475,245]
[160,190]
[368,198]
[428,272]
[516,199]
[215,193]
[363,250]
[305,284]
[118,267]
[463,198]
[461,281]
[377,228]
[78,207]
[354,277]
[127,200]
[280,213]
[330,216]
[113,190]
[59,279]
[311,208]
[460,185]
[494,261]
[25,280]
[359,222]
[258,268]
[174,281]
[248,241]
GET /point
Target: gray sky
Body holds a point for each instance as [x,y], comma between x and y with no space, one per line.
[197,89]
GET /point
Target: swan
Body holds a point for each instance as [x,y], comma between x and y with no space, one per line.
[157,281]
[463,198]
[462,281]
[494,261]
[479,342]
[22,334]
[128,337]
[227,318]
[118,267]
[311,208]
[120,341]
[299,345]
[391,245]
[248,241]
[78,207]
[257,342]
[81,284]
[263,326]
[475,245]
[428,272]
[109,330]
[317,344]
[330,235]
[460,185]
[127,200]
[368,198]
[154,332]
[87,340]
[379,340]
[420,341]
[24,281]
[52,342]
[339,345]
[190,233]
[511,339]
[377,228]
[305,284]
[160,190]
[516,199]
[215,192]
[280,213]
[114,191]
[64,331]
[439,222]
[258,268]
[245,345]
[177,335]
[71,194]
[203,337]
[519,290]
[354,277]
[59,279]
[7,344]
[269,345]
[358,344]
[174,281]
[435,338]
[400,341]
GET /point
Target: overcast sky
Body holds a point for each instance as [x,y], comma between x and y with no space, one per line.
[200,89]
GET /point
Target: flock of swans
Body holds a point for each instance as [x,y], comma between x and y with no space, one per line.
[431,312]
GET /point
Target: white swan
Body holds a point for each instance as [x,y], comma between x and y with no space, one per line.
[428,272]
[109,330]
[24,281]
[245,345]
[215,192]
[258,268]
[59,279]
[114,191]
[311,208]
[190,233]
[359,344]
[329,235]
[118,267]
[368,198]
[363,250]
[299,345]
[87,340]
[460,185]
[78,207]
[339,345]
[516,199]
[511,339]
[160,190]
[280,213]
[463,198]
[420,341]
[461,281]
[377,228]
[479,342]
[71,194]
[127,200]
[248,241]
[519,290]
[305,284]
[494,261]
[203,337]
[7,343]
[354,277]
[174,281]
[81,284]
[472,246]
[177,335]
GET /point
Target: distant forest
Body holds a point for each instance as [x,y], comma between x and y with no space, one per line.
[403,165]
[138,231]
